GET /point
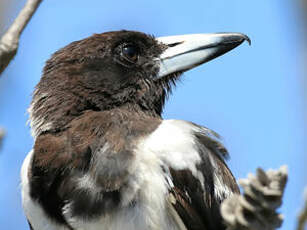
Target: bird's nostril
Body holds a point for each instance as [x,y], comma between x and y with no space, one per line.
[174,44]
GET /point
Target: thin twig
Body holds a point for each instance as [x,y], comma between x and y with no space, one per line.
[2,133]
[10,40]
[302,217]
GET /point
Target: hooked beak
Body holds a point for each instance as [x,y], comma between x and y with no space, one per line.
[185,52]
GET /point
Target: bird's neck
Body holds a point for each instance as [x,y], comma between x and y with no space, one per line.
[50,115]
[139,109]
[52,110]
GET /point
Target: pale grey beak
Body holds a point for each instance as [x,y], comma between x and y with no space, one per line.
[184,52]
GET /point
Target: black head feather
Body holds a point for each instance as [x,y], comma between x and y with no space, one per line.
[102,72]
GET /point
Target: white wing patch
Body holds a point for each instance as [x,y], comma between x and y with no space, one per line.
[221,191]
[174,143]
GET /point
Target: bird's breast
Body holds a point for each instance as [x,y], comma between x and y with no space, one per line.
[146,191]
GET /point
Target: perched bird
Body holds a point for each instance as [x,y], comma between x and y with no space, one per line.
[103,158]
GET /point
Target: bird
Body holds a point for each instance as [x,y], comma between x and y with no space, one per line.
[104,158]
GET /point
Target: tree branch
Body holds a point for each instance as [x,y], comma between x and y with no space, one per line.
[2,133]
[256,208]
[10,40]
[302,217]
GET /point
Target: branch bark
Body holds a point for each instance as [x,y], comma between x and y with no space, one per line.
[256,208]
[2,133]
[302,217]
[10,40]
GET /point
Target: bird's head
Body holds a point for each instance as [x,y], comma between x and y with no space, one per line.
[118,69]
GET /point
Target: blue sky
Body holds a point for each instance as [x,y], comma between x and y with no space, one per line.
[252,96]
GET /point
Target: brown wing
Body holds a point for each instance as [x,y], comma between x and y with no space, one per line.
[197,202]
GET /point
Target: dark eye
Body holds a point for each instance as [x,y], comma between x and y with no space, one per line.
[130,52]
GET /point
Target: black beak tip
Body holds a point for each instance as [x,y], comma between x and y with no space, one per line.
[239,38]
[236,39]
[246,38]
